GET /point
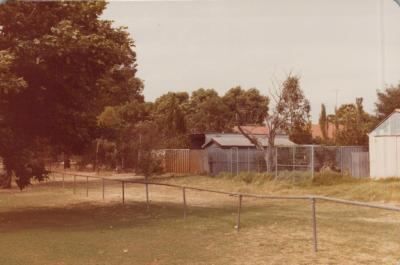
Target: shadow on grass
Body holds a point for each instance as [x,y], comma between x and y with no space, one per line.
[96,216]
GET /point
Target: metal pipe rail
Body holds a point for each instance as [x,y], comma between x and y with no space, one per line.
[259,196]
[357,203]
[312,198]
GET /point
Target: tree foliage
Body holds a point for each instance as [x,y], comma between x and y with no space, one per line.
[206,112]
[120,124]
[388,100]
[295,109]
[323,122]
[249,104]
[169,114]
[73,64]
[290,112]
[354,124]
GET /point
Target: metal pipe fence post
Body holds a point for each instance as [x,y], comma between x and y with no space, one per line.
[74,187]
[147,196]
[314,224]
[123,192]
[87,186]
[102,187]
[184,201]
[240,197]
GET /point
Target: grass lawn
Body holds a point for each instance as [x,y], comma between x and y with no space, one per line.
[47,224]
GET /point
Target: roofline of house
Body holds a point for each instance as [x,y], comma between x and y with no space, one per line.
[238,133]
[386,135]
[387,117]
[251,145]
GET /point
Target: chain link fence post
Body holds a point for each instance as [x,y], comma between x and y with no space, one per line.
[312,161]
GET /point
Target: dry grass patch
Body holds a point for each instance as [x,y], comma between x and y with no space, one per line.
[46,224]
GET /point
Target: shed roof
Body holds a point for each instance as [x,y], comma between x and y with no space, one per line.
[238,140]
[390,126]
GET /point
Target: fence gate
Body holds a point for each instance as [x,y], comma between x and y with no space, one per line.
[360,164]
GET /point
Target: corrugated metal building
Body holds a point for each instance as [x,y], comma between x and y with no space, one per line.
[231,140]
[384,147]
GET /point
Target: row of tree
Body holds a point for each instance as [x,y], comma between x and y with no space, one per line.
[60,66]
[350,123]
[68,86]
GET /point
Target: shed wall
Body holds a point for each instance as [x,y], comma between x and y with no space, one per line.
[384,156]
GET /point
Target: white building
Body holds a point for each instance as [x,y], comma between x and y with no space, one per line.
[384,147]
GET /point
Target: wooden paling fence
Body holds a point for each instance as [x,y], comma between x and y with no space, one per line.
[312,199]
[360,164]
[184,161]
[234,160]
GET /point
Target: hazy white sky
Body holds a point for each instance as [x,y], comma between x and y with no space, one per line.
[331,44]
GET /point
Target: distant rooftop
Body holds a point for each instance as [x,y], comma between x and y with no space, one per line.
[239,140]
[317,132]
[252,129]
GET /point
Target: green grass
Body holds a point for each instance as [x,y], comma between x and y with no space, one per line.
[48,225]
[88,233]
[327,183]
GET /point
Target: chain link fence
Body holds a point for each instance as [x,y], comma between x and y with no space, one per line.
[304,158]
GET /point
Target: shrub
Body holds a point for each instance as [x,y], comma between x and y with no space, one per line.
[299,178]
[150,163]
[330,177]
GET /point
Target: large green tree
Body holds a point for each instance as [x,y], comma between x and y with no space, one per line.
[73,63]
[206,112]
[121,125]
[290,113]
[295,108]
[249,104]
[354,124]
[169,114]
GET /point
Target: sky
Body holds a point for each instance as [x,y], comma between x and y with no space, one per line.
[335,47]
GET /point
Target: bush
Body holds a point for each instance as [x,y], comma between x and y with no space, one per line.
[150,163]
[301,178]
[330,177]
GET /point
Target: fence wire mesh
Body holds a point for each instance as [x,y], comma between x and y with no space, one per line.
[304,158]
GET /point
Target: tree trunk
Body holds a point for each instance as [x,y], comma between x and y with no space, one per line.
[271,161]
[270,153]
[266,158]
[7,180]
